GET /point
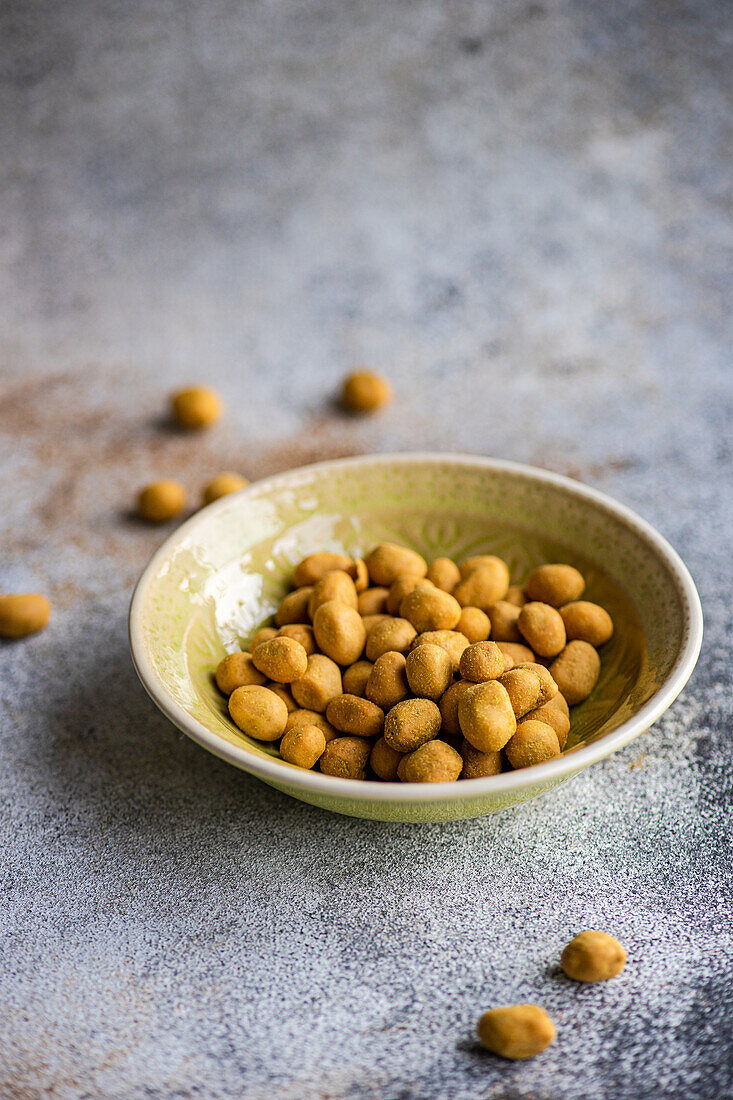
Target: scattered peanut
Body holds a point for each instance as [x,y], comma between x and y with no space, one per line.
[196,407]
[363,391]
[222,485]
[593,957]
[22,614]
[517,1031]
[161,501]
[387,684]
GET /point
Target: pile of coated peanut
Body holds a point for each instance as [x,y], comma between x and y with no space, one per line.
[383,667]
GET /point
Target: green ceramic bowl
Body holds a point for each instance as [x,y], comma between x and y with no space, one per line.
[220,575]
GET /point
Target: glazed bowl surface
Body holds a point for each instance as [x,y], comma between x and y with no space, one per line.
[217,578]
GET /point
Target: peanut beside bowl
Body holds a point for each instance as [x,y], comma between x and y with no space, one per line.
[221,574]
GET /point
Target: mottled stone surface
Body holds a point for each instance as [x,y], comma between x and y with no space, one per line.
[520,211]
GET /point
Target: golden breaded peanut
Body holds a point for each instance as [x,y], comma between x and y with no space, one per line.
[517,654]
[373,620]
[384,760]
[195,407]
[303,717]
[411,723]
[281,660]
[482,561]
[356,677]
[22,614]
[548,687]
[340,632]
[486,717]
[399,589]
[310,570]
[503,617]
[429,671]
[387,684]
[554,713]
[263,635]
[321,682]
[293,608]
[542,628]
[222,485]
[524,688]
[392,634]
[483,586]
[516,1031]
[388,561]
[586,622]
[346,758]
[359,574]
[533,743]
[364,391]
[576,671]
[474,623]
[401,766]
[258,712]
[555,584]
[336,586]
[481,661]
[515,594]
[430,609]
[434,762]
[593,957]
[478,765]
[449,708]
[444,574]
[161,501]
[303,746]
[373,601]
[355,716]
[451,641]
[300,632]
[236,670]
[282,693]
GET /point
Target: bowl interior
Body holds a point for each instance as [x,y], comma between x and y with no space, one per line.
[221,576]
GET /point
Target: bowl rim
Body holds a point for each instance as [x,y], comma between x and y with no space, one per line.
[315,783]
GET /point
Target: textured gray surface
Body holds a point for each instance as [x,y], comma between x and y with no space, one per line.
[519,212]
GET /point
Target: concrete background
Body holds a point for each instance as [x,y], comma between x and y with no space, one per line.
[521,213]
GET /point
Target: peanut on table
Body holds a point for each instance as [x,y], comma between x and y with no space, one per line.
[392,669]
